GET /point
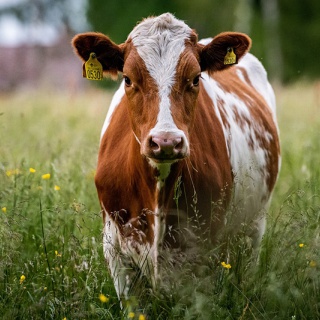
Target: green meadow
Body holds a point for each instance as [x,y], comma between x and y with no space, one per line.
[51,259]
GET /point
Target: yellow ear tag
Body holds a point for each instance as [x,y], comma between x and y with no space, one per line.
[93,68]
[230,57]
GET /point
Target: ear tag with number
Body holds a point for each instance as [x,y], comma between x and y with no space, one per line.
[230,57]
[93,68]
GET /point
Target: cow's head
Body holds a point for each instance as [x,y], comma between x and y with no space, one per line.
[161,63]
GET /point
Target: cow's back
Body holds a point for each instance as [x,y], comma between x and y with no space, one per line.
[244,101]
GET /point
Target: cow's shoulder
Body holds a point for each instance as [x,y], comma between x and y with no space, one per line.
[251,71]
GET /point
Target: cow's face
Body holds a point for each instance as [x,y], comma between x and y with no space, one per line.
[161,104]
[161,74]
[161,63]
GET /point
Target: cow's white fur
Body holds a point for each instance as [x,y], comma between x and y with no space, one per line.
[119,252]
[112,253]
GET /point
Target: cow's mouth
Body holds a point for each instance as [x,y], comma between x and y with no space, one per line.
[166,159]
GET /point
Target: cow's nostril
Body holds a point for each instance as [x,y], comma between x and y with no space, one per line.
[153,145]
[178,147]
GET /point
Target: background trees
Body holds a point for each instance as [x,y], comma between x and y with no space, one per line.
[286,34]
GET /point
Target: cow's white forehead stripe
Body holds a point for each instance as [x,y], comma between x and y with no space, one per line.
[160,42]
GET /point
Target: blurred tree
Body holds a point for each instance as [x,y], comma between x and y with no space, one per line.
[117,18]
[300,36]
[285,34]
[272,47]
[55,13]
[208,17]
[287,38]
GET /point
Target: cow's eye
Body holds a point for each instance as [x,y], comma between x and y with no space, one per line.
[127,81]
[196,80]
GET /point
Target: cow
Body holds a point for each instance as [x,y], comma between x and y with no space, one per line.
[191,134]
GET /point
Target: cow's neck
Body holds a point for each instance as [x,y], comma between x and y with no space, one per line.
[146,172]
[165,179]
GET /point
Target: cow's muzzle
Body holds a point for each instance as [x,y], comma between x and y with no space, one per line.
[166,146]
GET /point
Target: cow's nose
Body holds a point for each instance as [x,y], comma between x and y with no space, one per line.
[167,146]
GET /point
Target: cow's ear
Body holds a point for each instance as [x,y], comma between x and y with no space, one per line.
[213,56]
[109,54]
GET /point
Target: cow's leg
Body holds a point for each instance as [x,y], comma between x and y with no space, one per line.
[117,266]
[257,229]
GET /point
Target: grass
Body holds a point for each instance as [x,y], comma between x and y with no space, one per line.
[51,261]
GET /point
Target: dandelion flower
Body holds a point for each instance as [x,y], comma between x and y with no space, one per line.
[131,315]
[103,298]
[226,265]
[22,278]
[65,318]
[57,253]
[142,317]
[4,209]
[301,245]
[56,188]
[46,176]
[32,170]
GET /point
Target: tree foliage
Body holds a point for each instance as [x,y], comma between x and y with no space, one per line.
[51,12]
[285,34]
[300,35]
[296,27]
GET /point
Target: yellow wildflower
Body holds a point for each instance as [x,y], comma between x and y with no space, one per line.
[22,278]
[301,245]
[312,264]
[103,298]
[56,188]
[226,265]
[46,176]
[65,318]
[45,289]
[131,315]
[4,209]
[32,170]
[142,317]
[57,253]
[12,172]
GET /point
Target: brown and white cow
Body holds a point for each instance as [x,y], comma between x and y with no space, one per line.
[181,119]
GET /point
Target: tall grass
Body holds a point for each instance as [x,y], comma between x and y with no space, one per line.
[51,261]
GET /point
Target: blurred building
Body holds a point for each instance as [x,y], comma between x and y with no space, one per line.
[46,66]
